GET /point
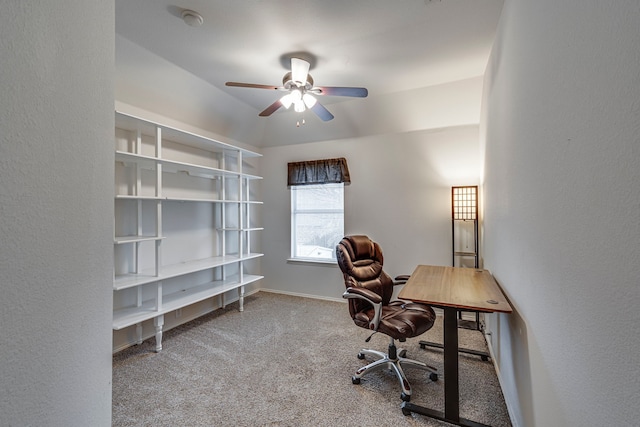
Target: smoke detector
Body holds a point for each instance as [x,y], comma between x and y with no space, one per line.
[192,18]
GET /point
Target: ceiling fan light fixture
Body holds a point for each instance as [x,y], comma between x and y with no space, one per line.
[298,106]
[309,100]
[296,95]
[286,101]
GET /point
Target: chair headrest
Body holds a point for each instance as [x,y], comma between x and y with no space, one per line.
[361,247]
[360,258]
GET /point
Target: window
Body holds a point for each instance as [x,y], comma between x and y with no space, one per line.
[317,207]
[317,221]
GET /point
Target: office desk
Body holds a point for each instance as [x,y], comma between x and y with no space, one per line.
[452,288]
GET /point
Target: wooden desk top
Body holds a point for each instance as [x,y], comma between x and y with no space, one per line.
[463,288]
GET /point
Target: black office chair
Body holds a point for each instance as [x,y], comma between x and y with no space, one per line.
[369,291]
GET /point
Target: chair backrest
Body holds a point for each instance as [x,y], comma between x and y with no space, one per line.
[360,260]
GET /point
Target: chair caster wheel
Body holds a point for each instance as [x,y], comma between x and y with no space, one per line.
[405,412]
[405,397]
[433,376]
[360,356]
[484,358]
[403,353]
[422,346]
[355,380]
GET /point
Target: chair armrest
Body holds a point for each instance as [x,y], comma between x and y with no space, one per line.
[368,295]
[372,298]
[401,280]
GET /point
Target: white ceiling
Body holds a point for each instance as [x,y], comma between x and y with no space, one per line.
[396,49]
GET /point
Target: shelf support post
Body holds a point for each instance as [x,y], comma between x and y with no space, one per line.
[138,333]
[158,323]
[241,298]
[158,202]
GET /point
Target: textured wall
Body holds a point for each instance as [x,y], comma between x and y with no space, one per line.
[561,139]
[56,208]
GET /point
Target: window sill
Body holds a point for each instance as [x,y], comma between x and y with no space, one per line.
[328,262]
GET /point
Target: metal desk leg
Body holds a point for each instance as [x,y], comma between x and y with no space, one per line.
[451,391]
[483,354]
[451,386]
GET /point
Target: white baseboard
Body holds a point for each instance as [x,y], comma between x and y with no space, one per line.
[297,294]
[507,398]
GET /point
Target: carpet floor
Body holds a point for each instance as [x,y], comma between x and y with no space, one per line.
[288,361]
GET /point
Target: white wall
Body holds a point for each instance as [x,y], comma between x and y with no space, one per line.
[399,196]
[56,170]
[561,138]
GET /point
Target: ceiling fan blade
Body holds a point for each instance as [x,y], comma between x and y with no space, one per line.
[321,112]
[359,92]
[253,85]
[299,71]
[271,109]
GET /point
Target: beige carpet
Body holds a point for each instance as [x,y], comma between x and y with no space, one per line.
[287,361]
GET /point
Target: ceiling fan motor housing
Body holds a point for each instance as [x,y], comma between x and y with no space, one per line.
[289,84]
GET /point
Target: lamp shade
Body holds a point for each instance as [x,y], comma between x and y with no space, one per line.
[464,203]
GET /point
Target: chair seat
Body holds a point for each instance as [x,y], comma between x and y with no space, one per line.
[400,319]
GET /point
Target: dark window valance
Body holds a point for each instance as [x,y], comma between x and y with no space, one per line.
[324,171]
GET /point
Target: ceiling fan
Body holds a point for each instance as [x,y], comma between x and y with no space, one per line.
[301,93]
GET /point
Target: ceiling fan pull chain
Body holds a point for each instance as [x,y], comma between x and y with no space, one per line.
[298,122]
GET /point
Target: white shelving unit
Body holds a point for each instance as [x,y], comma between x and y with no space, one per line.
[182,222]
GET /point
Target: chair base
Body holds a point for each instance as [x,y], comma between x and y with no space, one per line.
[394,360]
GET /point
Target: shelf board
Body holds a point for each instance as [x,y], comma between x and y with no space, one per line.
[242,229]
[128,316]
[129,197]
[132,123]
[197,199]
[120,240]
[464,253]
[184,199]
[173,166]
[175,270]
[148,162]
